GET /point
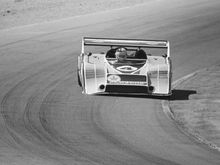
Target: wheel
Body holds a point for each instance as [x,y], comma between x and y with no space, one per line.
[79,82]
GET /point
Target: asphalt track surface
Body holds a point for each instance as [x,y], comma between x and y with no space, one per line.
[46,120]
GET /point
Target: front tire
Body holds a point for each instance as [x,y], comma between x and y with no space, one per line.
[78,78]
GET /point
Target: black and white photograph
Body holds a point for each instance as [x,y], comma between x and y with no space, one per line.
[109,82]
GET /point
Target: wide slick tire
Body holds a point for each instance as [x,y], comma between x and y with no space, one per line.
[78,80]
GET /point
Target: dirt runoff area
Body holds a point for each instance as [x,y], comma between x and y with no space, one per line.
[197,109]
[22,12]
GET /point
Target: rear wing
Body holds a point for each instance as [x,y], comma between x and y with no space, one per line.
[89,41]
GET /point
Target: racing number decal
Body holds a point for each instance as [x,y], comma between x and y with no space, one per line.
[126,68]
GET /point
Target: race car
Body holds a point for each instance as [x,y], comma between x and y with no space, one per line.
[124,66]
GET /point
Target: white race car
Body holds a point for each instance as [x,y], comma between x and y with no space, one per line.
[124,66]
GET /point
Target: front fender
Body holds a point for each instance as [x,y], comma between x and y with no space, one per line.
[160,79]
[95,78]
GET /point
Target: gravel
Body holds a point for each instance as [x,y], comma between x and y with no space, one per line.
[23,12]
[199,114]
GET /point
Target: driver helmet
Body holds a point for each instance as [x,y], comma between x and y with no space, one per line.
[121,54]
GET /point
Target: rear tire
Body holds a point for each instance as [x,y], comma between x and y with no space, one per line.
[79,82]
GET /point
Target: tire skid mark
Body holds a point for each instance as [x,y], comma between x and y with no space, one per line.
[72,148]
[37,130]
[65,145]
[146,157]
[8,113]
[57,142]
